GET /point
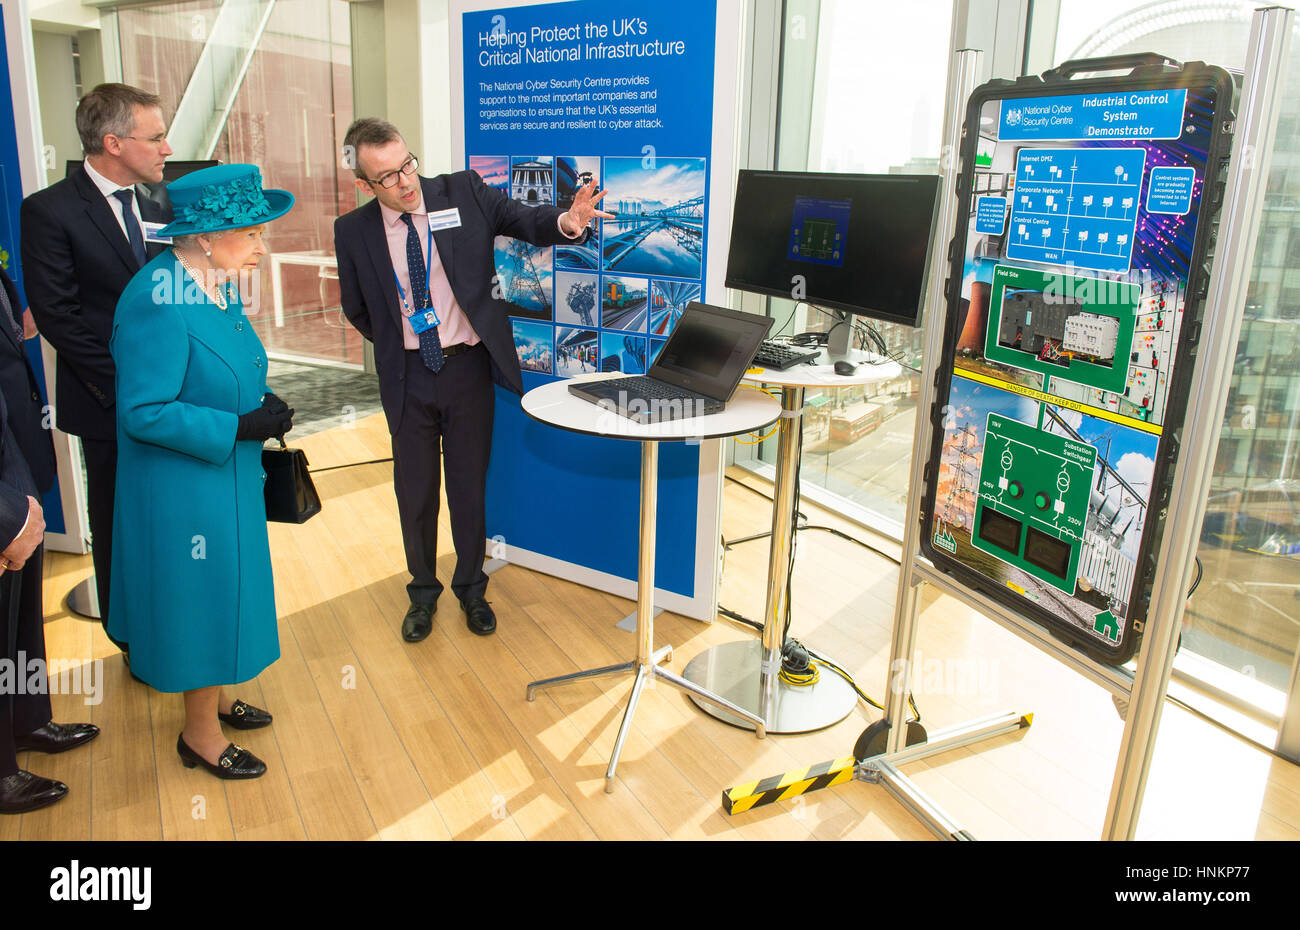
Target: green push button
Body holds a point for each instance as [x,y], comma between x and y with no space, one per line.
[1042,501]
[1015,490]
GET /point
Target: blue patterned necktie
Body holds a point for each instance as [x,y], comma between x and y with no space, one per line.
[133,234]
[430,344]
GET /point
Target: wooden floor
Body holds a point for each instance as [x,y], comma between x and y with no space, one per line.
[375,738]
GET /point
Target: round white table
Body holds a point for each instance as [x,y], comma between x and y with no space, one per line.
[747,673]
[749,409]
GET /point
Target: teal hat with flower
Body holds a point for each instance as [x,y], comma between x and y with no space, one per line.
[222,197]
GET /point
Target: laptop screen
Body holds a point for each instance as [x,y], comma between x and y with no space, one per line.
[709,349]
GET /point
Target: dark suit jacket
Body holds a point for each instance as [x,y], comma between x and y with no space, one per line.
[15,483]
[22,397]
[76,262]
[369,292]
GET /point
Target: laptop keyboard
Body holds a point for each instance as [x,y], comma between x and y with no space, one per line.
[649,388]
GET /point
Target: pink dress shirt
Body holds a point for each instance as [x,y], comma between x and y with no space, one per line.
[453,326]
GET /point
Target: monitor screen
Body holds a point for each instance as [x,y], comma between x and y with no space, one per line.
[854,242]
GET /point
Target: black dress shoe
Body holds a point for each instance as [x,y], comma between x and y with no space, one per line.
[57,737]
[479,616]
[418,622]
[245,716]
[22,792]
[234,761]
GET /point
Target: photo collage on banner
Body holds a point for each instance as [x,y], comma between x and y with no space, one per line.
[603,92]
[1081,227]
[609,304]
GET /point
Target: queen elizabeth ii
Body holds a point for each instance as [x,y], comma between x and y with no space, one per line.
[192,588]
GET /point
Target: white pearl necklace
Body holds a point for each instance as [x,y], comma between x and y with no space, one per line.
[217,297]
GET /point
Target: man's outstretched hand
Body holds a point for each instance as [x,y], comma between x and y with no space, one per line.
[583,209]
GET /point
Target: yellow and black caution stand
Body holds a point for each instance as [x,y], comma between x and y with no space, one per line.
[868,763]
[745,797]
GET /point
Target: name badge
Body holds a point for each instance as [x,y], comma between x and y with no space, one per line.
[445,219]
[425,319]
[151,233]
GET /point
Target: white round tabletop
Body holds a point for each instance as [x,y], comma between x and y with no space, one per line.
[749,409]
[870,367]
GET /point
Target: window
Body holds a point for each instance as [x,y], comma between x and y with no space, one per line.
[291,107]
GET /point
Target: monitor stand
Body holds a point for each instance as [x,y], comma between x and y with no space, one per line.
[837,343]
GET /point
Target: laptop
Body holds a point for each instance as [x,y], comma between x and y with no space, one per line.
[696,372]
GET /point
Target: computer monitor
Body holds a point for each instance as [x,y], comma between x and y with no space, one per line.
[858,243]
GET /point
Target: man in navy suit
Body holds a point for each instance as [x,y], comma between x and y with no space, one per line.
[27,470]
[83,238]
[417,278]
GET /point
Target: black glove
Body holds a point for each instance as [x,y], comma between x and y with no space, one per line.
[273,418]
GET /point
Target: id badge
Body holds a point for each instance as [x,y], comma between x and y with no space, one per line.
[425,319]
[445,219]
[151,233]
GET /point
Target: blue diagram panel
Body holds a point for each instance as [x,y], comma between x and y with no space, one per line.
[819,229]
[1076,206]
[1170,190]
[990,215]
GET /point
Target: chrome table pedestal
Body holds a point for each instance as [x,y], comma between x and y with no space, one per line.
[747,673]
[83,600]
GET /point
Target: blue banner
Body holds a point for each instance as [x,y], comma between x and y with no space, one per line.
[1147,114]
[619,93]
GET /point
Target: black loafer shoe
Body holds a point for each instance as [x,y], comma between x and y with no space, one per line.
[479,616]
[234,762]
[57,737]
[22,792]
[245,716]
[418,622]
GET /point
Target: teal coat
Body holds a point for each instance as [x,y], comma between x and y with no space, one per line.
[191,586]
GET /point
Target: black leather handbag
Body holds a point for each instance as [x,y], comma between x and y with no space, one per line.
[290,494]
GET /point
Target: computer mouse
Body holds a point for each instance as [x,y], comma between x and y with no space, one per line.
[845,368]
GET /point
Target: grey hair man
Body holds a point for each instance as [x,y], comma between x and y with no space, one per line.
[83,238]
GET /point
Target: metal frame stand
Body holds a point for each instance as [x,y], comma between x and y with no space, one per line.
[1255,129]
[646,666]
[748,673]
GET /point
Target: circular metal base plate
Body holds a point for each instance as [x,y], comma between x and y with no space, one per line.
[83,600]
[731,671]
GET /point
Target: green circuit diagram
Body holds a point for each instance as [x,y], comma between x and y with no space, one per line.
[1033,499]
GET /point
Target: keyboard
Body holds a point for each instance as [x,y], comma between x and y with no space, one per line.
[643,386]
[780,356]
[645,399]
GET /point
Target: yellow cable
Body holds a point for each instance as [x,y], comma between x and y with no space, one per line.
[801,679]
[754,442]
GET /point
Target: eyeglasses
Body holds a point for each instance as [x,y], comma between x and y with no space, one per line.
[152,140]
[390,179]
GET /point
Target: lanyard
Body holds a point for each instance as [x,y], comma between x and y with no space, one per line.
[428,270]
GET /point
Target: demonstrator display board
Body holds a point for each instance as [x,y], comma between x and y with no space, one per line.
[1080,264]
